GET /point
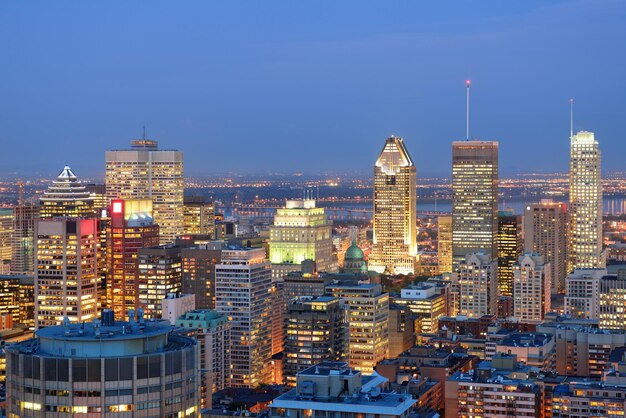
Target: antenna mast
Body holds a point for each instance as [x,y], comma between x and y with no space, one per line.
[571,118]
[143,135]
[467,109]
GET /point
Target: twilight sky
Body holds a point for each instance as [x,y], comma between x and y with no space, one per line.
[283,86]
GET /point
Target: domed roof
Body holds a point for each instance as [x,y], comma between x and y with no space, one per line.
[354,252]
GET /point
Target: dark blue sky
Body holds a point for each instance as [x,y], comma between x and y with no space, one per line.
[281,86]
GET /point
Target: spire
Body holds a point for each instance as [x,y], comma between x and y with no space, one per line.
[467,109]
[393,156]
[571,118]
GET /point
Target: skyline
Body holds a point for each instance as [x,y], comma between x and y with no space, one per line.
[83,79]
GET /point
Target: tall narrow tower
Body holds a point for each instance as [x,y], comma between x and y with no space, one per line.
[585,197]
[474,199]
[395,244]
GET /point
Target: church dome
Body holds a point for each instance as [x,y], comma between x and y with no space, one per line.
[354,252]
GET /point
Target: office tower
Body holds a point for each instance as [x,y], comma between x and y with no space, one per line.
[582,293]
[278,301]
[10,299]
[6,239]
[98,193]
[545,233]
[300,232]
[104,369]
[212,331]
[66,271]
[394,245]
[427,301]
[401,329]
[477,285]
[198,216]
[474,199]
[131,228]
[25,216]
[313,333]
[174,305]
[327,389]
[242,294]
[146,172]
[101,209]
[510,247]
[585,200]
[160,273]
[611,312]
[444,243]
[66,196]
[199,263]
[367,312]
[307,282]
[27,300]
[531,288]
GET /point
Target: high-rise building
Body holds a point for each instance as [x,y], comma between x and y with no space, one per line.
[545,233]
[477,285]
[104,369]
[160,273]
[6,239]
[401,329]
[199,263]
[313,333]
[585,199]
[212,331]
[146,172]
[611,311]
[444,243]
[531,288]
[582,293]
[66,278]
[427,301]
[131,228]
[175,305]
[300,232]
[25,216]
[510,247]
[10,303]
[242,294]
[474,199]
[367,312]
[198,216]
[394,244]
[66,196]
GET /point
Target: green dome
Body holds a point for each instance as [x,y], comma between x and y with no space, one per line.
[354,252]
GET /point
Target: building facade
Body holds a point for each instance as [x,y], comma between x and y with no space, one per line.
[66,196]
[444,243]
[160,273]
[199,263]
[531,288]
[198,216]
[146,172]
[474,199]
[394,243]
[510,247]
[428,302]
[25,216]
[478,286]
[582,293]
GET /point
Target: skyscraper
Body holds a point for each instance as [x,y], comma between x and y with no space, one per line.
[585,198]
[199,216]
[66,196]
[6,239]
[301,232]
[130,229]
[509,249]
[160,273]
[66,271]
[444,243]
[394,245]
[242,294]
[545,233]
[477,285]
[145,172]
[25,216]
[531,288]
[474,199]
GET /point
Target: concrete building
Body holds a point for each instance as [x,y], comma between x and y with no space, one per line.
[198,216]
[137,368]
[160,273]
[212,331]
[314,333]
[394,244]
[495,389]
[131,228]
[242,294]
[545,233]
[66,280]
[300,232]
[585,200]
[25,216]
[6,239]
[17,299]
[68,197]
[444,243]
[474,199]
[199,263]
[367,313]
[427,301]
[532,348]
[176,305]
[478,285]
[146,172]
[401,329]
[333,389]
[510,247]
[531,288]
[611,312]
[582,293]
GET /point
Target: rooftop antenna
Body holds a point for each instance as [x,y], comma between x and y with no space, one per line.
[20,192]
[571,118]
[467,109]
[143,135]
